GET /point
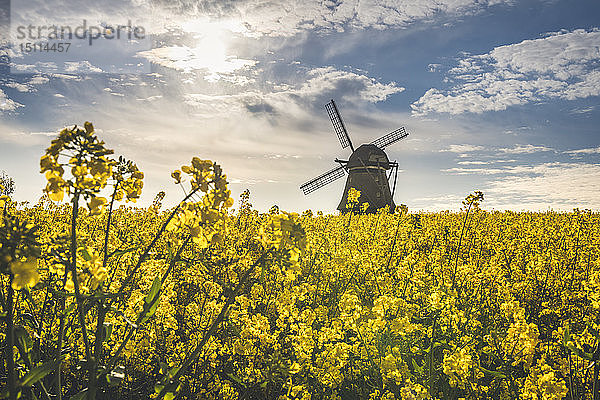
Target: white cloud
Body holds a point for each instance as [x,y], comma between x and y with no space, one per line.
[594,150]
[472,162]
[7,104]
[19,86]
[561,65]
[49,134]
[525,149]
[510,170]
[475,171]
[80,67]
[38,80]
[357,85]
[10,134]
[582,110]
[462,148]
[436,203]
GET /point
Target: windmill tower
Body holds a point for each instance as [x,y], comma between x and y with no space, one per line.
[367,168]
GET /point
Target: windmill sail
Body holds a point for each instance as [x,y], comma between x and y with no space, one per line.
[322,180]
[390,138]
[338,125]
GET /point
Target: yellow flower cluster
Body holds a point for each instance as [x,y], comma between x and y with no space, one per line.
[522,337]
[543,383]
[89,167]
[458,367]
[25,273]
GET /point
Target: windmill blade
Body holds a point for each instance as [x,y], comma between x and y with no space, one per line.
[338,125]
[322,180]
[390,138]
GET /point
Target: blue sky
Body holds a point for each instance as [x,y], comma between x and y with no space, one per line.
[498,96]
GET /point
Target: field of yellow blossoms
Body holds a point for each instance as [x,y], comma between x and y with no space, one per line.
[104,300]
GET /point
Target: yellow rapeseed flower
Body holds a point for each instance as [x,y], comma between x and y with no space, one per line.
[25,273]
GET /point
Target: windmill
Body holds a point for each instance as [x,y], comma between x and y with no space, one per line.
[367,168]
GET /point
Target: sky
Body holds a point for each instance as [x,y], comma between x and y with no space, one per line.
[500,96]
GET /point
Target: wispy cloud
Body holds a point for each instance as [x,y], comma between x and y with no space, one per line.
[462,148]
[557,185]
[7,104]
[472,162]
[561,65]
[513,170]
[526,149]
[19,86]
[592,150]
[561,186]
[582,110]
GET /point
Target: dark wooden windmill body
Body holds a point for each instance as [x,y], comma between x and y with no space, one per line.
[367,169]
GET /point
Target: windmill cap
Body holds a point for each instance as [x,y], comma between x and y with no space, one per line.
[368,155]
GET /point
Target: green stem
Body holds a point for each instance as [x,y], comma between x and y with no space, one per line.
[106,230]
[101,312]
[61,334]
[97,352]
[459,243]
[10,342]
[387,267]
[596,387]
[78,297]
[430,358]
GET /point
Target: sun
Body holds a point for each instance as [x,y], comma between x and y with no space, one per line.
[213,51]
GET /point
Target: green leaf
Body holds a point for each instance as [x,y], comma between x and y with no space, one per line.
[154,290]
[86,256]
[169,396]
[108,328]
[23,342]
[173,371]
[235,378]
[37,373]
[80,396]
[150,302]
[569,345]
[495,374]
[416,367]
[580,353]
[566,336]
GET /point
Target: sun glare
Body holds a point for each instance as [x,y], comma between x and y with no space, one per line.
[212,50]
